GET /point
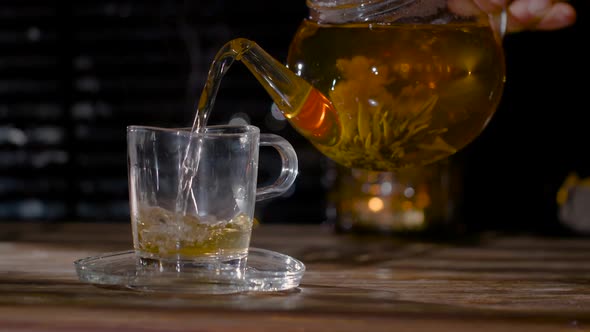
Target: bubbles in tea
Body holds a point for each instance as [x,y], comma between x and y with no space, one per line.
[162,233]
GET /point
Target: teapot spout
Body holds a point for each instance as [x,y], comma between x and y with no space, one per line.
[306,108]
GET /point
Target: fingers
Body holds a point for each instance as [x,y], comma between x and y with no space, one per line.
[522,14]
[491,6]
[463,7]
[560,16]
[539,15]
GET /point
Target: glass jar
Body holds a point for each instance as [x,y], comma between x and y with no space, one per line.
[412,81]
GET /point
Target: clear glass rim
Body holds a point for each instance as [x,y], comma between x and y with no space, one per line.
[350,11]
[215,130]
[409,11]
[342,3]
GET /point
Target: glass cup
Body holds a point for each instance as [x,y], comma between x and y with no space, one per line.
[194,216]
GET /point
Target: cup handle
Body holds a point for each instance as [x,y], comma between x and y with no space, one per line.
[288,171]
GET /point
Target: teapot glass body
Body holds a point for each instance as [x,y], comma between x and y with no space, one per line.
[412,81]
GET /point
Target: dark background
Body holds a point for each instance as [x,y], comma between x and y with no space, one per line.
[74,74]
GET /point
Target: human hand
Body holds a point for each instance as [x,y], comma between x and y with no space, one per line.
[524,14]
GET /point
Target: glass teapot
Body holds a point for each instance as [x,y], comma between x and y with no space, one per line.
[383,84]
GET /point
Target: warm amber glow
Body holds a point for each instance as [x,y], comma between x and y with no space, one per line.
[422,200]
[414,218]
[317,118]
[375,204]
[407,205]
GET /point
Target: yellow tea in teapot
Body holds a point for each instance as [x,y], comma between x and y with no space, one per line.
[375,96]
[404,94]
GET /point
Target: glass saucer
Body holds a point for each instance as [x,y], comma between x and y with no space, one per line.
[266,271]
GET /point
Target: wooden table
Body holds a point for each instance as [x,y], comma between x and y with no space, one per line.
[496,283]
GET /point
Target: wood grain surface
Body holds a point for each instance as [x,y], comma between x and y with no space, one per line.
[352,283]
